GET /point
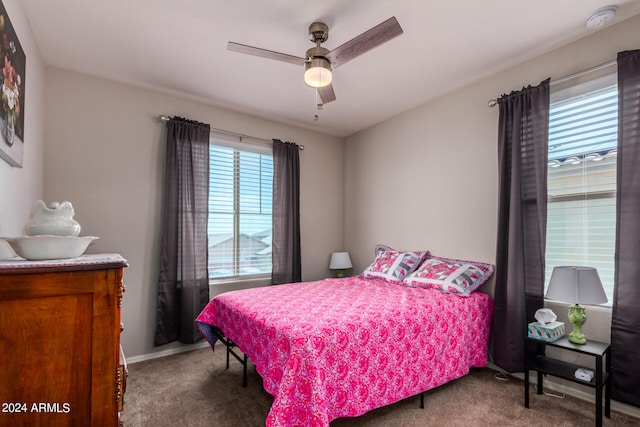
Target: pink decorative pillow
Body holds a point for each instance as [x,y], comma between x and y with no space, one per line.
[394,266]
[450,275]
[382,248]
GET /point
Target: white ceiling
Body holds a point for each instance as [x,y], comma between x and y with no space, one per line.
[180,46]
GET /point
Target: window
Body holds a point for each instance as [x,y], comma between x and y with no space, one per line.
[581,178]
[240,203]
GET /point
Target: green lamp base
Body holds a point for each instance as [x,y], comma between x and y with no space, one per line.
[340,274]
[577,317]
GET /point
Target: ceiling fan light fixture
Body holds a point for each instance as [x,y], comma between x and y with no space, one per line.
[317,72]
[319,61]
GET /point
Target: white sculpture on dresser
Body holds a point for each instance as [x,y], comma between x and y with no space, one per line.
[56,220]
[51,233]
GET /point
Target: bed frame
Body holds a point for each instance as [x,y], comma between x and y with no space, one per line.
[230,345]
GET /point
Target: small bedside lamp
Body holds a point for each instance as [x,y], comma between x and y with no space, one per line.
[340,261]
[579,285]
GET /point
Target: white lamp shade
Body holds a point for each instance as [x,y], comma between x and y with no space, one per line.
[318,73]
[576,285]
[340,261]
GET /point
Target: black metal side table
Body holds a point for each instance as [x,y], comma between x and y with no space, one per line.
[561,369]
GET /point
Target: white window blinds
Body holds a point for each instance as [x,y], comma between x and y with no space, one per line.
[581,178]
[240,203]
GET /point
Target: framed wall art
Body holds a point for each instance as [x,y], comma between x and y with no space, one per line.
[12,63]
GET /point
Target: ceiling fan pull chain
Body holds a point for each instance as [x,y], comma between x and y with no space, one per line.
[318,106]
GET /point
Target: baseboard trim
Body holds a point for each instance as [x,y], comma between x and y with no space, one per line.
[549,382]
[168,352]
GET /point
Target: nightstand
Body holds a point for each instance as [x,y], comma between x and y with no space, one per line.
[558,368]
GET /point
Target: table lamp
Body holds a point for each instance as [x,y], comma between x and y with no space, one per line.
[578,285]
[340,261]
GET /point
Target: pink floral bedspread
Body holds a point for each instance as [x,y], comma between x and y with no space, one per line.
[341,347]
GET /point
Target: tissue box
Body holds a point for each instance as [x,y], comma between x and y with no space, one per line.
[546,332]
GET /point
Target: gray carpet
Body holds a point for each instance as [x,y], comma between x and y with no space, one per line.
[194,389]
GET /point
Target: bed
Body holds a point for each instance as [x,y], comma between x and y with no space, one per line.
[341,347]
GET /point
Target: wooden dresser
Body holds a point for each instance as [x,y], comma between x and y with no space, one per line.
[60,359]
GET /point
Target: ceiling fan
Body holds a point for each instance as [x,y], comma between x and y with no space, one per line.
[319,61]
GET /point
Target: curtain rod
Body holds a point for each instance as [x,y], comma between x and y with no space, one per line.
[493,102]
[239,135]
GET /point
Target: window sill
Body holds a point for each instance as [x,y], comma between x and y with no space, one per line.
[216,287]
[241,279]
[606,306]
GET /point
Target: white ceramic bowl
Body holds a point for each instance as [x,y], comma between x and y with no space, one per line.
[39,248]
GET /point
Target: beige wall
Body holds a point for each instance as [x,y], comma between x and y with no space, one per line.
[20,187]
[427,179]
[104,153]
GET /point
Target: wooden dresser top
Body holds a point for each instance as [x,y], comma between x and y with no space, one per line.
[81,263]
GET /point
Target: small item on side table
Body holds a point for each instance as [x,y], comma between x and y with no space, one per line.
[545,315]
[546,328]
[548,332]
[584,374]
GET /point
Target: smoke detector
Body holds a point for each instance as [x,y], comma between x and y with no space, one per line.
[601,17]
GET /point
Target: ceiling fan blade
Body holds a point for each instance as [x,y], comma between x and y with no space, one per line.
[326,94]
[269,54]
[366,41]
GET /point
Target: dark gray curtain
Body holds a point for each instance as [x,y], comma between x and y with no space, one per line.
[522,220]
[286,256]
[625,321]
[183,286]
